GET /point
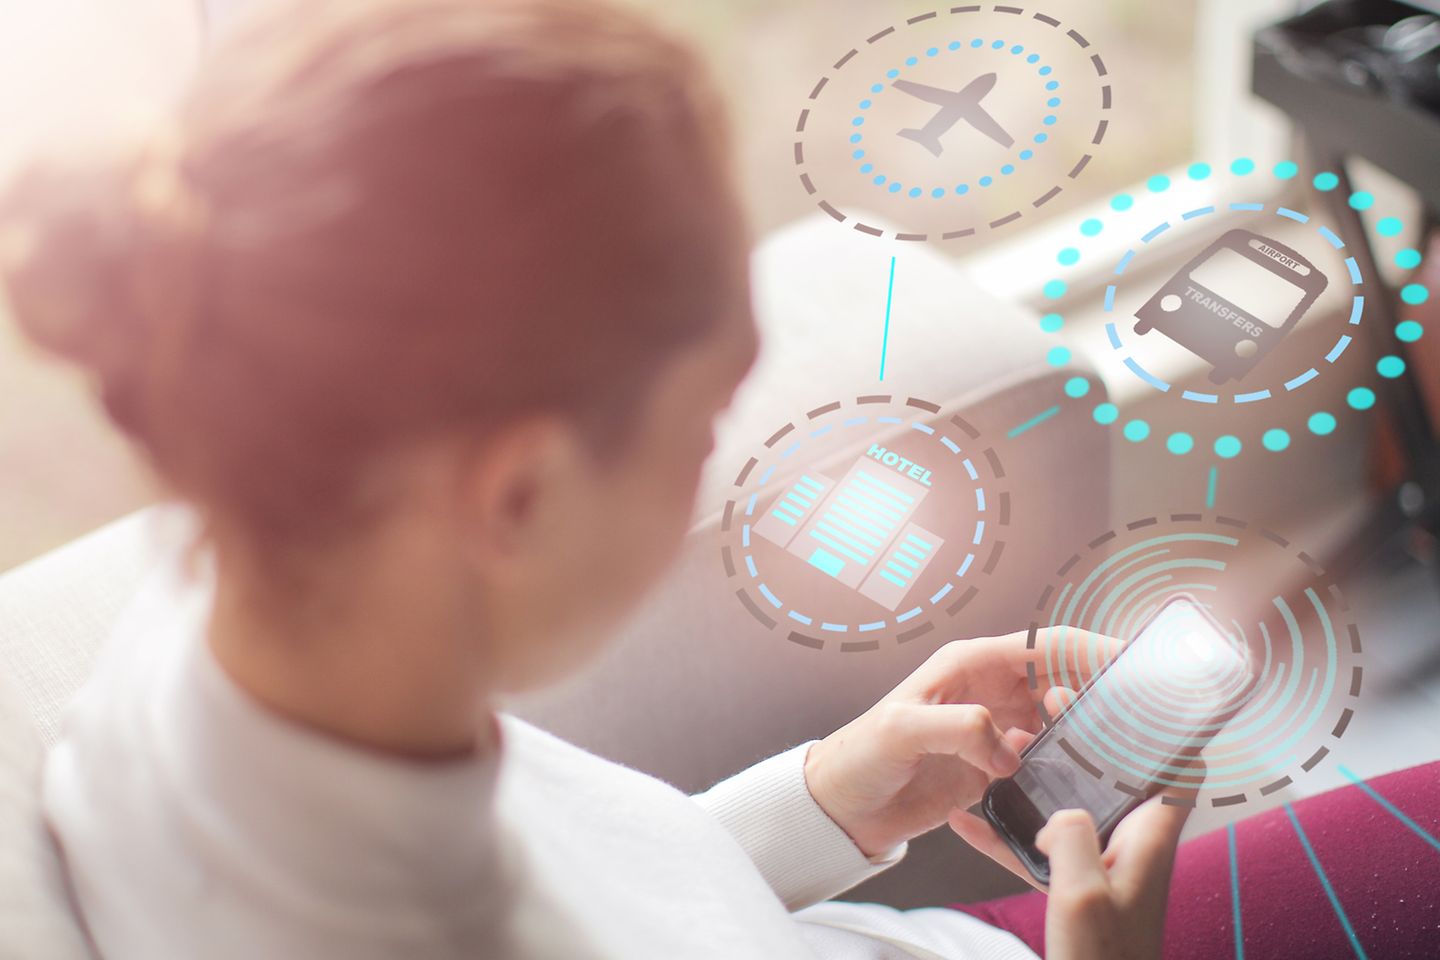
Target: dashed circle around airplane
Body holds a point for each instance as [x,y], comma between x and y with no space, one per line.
[952,123]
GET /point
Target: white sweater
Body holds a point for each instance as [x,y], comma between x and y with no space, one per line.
[195,824]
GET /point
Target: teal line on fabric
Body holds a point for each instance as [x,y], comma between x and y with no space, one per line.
[1034,421]
[1325,882]
[1394,811]
[1210,488]
[889,299]
[1235,895]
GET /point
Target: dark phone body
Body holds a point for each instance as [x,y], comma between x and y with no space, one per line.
[1014,814]
[1017,820]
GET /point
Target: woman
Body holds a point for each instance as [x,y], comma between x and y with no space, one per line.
[425,307]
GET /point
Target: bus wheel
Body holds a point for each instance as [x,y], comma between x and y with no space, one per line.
[1144,327]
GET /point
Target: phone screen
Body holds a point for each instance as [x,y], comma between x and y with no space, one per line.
[1167,692]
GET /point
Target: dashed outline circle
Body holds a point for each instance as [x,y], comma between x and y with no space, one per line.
[1190,798]
[1320,423]
[875,632]
[1102,125]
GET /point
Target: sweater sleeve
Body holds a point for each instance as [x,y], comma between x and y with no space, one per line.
[804,855]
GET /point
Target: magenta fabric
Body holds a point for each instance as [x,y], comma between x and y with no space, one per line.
[1384,875]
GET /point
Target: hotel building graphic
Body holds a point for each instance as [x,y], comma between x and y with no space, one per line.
[858,531]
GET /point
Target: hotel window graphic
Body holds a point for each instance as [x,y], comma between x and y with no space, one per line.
[858,531]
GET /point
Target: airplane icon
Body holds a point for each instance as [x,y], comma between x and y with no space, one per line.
[954,106]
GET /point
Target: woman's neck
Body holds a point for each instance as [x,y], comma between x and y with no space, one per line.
[373,654]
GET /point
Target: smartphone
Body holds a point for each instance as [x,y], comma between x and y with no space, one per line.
[1153,705]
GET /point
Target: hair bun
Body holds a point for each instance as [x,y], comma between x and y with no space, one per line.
[69,240]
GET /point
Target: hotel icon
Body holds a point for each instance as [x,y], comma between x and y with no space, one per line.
[857,531]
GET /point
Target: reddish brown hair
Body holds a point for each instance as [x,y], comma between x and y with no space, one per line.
[377,220]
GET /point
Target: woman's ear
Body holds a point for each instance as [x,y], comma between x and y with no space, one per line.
[515,486]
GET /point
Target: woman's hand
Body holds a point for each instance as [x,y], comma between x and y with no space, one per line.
[933,744]
[1110,906]
[1101,906]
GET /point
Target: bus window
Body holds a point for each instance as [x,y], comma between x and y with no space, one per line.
[1269,297]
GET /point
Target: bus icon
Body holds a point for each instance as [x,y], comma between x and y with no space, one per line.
[1234,302]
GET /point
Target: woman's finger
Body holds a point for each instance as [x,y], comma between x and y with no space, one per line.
[964,730]
[1057,700]
[949,665]
[1059,655]
[978,833]
[1066,655]
[1019,738]
[1070,841]
[1070,651]
[1144,844]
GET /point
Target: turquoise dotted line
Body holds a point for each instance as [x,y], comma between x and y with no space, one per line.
[1320,423]
[894,186]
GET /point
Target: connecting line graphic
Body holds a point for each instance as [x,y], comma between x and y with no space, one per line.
[1034,421]
[1373,794]
[1390,808]
[889,299]
[1325,883]
[1210,488]
[1235,896]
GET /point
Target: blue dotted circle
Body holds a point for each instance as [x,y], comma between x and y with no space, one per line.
[1136,430]
[938,193]
[1321,423]
[1180,443]
[1062,102]
[1275,439]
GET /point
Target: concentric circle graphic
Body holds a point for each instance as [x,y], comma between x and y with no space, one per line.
[953,122]
[868,521]
[1270,675]
[1271,304]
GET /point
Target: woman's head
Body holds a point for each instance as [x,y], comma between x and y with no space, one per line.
[495,237]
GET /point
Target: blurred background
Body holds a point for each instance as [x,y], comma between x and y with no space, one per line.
[76,72]
[770,55]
